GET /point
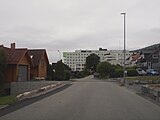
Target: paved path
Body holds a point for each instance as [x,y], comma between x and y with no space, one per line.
[89,99]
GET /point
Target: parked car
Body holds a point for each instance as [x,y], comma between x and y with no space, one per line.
[152,72]
[141,71]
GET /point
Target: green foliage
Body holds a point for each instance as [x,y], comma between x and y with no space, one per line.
[118,72]
[143,78]
[105,69]
[86,72]
[67,75]
[92,62]
[79,74]
[132,72]
[50,72]
[60,71]
[3,65]
[6,100]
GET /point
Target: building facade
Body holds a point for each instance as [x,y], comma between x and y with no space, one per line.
[76,60]
[117,57]
[23,64]
[18,64]
[149,57]
[40,63]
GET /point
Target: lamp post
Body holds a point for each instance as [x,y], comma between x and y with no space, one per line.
[59,54]
[124,35]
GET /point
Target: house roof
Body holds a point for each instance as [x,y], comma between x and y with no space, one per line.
[148,49]
[135,57]
[13,56]
[37,54]
[158,49]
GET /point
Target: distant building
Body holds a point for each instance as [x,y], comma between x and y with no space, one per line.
[76,60]
[117,57]
[149,57]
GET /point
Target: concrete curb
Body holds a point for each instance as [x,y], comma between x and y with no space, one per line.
[42,90]
[3,106]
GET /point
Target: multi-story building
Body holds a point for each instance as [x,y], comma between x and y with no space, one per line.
[117,57]
[76,60]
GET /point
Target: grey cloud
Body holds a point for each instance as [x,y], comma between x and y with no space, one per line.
[78,24]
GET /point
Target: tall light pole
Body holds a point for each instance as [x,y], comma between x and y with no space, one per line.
[124,35]
[59,54]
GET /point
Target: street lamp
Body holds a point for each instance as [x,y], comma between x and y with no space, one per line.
[59,54]
[124,66]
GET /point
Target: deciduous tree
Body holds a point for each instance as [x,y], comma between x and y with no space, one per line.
[92,62]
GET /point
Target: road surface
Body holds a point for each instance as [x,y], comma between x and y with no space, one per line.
[89,99]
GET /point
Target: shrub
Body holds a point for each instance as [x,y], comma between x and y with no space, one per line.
[67,75]
[86,72]
[132,72]
[80,74]
[105,69]
[118,73]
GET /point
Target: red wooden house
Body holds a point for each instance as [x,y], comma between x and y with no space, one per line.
[18,64]
[24,64]
[40,63]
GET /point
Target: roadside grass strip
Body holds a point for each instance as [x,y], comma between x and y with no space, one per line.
[6,100]
[144,78]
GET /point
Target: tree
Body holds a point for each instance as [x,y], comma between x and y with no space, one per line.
[92,62]
[50,72]
[60,71]
[105,69]
[3,65]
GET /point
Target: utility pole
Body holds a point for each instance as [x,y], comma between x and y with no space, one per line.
[124,35]
[59,55]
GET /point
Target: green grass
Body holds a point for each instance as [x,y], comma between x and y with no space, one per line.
[144,78]
[6,100]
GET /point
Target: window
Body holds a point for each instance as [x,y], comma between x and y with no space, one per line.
[155,56]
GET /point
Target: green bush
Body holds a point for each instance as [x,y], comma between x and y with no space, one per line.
[86,72]
[79,74]
[67,75]
[132,72]
[105,69]
[118,72]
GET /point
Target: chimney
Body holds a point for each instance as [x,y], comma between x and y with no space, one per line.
[13,45]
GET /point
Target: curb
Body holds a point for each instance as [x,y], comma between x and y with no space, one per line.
[42,90]
[3,106]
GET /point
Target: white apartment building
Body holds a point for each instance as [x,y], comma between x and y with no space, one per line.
[117,57]
[76,60]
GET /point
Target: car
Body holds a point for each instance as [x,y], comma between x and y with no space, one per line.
[141,71]
[152,72]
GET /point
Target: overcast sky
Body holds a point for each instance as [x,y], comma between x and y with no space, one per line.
[67,25]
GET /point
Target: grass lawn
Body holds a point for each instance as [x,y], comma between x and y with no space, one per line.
[6,100]
[144,78]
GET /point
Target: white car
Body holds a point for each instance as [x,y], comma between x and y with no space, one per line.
[141,71]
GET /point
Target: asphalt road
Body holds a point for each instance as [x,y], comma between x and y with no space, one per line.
[89,99]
